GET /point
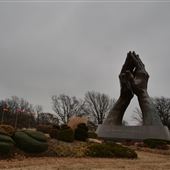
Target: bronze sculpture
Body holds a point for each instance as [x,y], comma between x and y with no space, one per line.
[133,80]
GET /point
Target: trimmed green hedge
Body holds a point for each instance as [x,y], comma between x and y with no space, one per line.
[29,144]
[81,132]
[5,138]
[54,133]
[36,135]
[6,144]
[110,150]
[66,134]
[156,143]
[5,148]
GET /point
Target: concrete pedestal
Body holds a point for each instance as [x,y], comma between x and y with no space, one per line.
[133,132]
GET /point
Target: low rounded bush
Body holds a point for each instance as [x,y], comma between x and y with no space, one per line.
[82,126]
[157,143]
[81,132]
[6,144]
[8,129]
[56,127]
[5,148]
[54,133]
[123,152]
[66,134]
[109,150]
[49,129]
[64,126]
[31,142]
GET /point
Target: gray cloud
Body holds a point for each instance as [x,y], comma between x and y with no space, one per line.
[53,48]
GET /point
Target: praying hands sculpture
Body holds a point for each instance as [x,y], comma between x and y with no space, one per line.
[133,80]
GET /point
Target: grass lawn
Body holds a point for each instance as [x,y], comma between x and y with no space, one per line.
[146,161]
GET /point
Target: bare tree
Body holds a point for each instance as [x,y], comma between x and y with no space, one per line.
[137,116]
[98,105]
[162,105]
[47,118]
[38,110]
[66,106]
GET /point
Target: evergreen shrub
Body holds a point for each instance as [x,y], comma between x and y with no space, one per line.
[157,143]
[110,150]
[6,144]
[66,134]
[31,142]
[81,132]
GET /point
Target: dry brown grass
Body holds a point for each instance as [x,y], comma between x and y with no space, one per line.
[146,161]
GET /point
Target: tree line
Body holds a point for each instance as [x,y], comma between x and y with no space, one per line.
[19,113]
[95,105]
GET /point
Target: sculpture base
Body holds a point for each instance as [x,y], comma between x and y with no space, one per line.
[112,132]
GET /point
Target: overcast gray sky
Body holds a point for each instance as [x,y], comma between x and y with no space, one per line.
[49,48]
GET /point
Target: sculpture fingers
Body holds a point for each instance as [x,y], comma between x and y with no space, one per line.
[139,66]
[137,61]
[143,70]
[128,65]
[140,62]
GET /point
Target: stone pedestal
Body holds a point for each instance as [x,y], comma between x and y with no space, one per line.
[112,132]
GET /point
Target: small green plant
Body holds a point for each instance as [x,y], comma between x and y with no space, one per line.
[66,134]
[81,132]
[109,150]
[157,143]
